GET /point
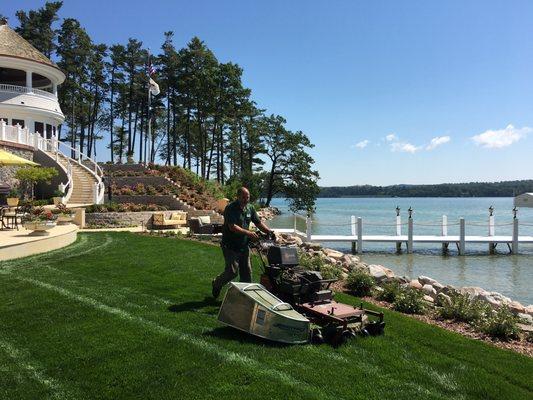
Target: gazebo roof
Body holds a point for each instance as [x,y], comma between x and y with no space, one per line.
[14,45]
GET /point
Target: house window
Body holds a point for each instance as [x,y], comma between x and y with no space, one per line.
[48,131]
[39,127]
[17,121]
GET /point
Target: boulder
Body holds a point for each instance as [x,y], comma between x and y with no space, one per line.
[415,284]
[344,275]
[313,246]
[526,318]
[472,291]
[516,307]
[437,286]
[429,290]
[388,272]
[428,299]
[529,309]
[424,280]
[337,255]
[487,298]
[377,272]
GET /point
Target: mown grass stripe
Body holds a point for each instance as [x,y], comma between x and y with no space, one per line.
[33,370]
[225,355]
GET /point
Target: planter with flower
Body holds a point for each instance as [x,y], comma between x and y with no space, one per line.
[64,215]
[39,221]
[13,197]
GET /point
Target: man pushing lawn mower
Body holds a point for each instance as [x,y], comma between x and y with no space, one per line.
[236,235]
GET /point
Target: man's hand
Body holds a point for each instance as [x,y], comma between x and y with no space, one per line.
[252,235]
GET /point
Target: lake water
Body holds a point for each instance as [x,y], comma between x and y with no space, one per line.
[511,275]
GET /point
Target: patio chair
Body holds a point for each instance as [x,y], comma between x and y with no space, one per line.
[13,216]
[202,226]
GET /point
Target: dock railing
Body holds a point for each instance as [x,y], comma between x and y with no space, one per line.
[357,237]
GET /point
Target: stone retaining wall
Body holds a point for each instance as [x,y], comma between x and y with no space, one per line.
[7,174]
[139,218]
[122,218]
[147,180]
[169,201]
[122,167]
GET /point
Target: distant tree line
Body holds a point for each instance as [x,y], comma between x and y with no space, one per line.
[471,189]
[204,119]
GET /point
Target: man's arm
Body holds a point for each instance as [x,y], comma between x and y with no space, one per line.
[237,229]
[260,224]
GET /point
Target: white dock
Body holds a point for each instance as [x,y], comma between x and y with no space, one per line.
[357,238]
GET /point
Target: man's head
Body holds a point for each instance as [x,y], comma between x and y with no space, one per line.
[243,196]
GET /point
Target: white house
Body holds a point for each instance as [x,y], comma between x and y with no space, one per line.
[28,85]
[30,117]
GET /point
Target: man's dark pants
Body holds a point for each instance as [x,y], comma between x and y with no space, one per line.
[236,263]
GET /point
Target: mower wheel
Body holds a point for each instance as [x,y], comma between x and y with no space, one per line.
[316,337]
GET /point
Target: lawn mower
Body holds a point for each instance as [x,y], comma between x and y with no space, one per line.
[287,292]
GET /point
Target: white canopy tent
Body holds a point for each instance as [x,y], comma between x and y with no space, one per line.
[524,200]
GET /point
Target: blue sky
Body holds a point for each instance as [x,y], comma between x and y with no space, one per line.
[373,84]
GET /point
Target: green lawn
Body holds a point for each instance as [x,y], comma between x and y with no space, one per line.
[120,316]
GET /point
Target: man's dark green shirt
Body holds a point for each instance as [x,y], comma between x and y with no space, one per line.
[234,214]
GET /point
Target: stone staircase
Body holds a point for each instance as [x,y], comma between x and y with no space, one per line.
[83,182]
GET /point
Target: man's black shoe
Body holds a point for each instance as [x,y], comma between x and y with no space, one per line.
[215,291]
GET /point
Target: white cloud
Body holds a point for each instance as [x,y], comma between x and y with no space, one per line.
[502,137]
[437,141]
[362,144]
[405,147]
[390,138]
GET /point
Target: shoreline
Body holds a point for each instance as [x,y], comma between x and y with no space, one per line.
[434,293]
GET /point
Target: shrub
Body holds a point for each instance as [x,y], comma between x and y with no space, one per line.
[330,271]
[315,263]
[29,176]
[409,301]
[501,323]
[463,308]
[360,283]
[390,291]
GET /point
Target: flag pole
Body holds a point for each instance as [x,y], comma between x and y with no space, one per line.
[149,134]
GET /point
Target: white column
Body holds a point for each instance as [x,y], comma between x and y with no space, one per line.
[54,89]
[2,130]
[491,225]
[19,133]
[29,79]
[462,234]
[359,235]
[514,248]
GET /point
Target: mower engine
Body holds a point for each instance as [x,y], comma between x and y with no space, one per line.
[311,295]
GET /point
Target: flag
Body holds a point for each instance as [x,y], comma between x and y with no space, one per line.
[154,88]
[150,70]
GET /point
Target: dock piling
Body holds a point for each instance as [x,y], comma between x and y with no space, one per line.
[359,234]
[410,236]
[462,232]
[514,248]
